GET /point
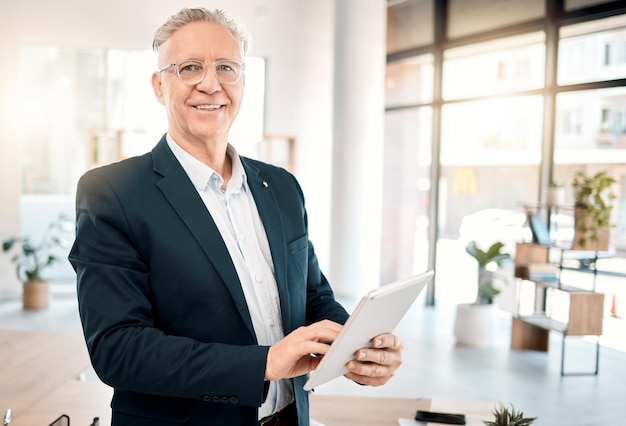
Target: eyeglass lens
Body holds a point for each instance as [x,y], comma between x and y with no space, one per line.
[193,72]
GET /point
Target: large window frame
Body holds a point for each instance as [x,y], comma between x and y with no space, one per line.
[557,15]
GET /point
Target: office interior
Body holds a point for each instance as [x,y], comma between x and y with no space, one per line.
[414,127]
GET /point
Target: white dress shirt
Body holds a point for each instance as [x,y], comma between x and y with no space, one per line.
[237,218]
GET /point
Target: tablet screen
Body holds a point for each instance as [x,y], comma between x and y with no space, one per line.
[378,312]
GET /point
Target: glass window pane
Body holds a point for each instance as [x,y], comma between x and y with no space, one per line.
[134,119]
[591,128]
[406,186]
[495,67]
[409,24]
[62,95]
[472,16]
[82,108]
[593,51]
[409,81]
[495,132]
[590,135]
[131,100]
[490,156]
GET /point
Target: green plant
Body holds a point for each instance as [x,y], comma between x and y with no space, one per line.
[494,254]
[32,259]
[594,197]
[506,417]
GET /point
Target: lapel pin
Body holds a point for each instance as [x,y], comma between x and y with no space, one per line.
[265,185]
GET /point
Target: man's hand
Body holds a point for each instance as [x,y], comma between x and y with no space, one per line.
[375,366]
[293,355]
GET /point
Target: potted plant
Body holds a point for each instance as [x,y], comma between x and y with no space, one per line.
[506,417]
[475,322]
[31,260]
[593,202]
[555,195]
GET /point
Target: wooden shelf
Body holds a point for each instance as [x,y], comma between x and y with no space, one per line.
[557,285]
[584,316]
[545,322]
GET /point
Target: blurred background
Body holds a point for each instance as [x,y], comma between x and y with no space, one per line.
[414,126]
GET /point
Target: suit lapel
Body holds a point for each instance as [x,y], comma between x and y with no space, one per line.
[267,206]
[182,195]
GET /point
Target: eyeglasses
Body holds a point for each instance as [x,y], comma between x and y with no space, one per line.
[192,72]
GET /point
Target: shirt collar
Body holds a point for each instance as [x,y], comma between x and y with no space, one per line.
[201,175]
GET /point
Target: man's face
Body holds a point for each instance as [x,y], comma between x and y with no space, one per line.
[205,111]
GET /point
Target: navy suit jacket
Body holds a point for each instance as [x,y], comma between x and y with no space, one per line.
[163,312]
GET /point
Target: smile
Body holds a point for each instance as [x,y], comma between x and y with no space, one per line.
[208,107]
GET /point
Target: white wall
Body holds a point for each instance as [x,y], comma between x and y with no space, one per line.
[10,177]
[295,37]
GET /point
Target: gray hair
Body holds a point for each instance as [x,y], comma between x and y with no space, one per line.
[215,16]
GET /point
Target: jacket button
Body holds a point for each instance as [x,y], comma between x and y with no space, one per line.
[234,400]
[225,400]
[206,398]
[216,399]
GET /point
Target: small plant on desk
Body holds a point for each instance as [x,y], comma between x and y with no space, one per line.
[506,417]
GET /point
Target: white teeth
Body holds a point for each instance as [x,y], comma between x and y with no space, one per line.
[208,107]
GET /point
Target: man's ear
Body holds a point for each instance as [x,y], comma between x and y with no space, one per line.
[157,86]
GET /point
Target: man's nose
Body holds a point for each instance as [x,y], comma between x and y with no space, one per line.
[209,83]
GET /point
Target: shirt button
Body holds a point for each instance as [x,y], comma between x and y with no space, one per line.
[272,323]
[258,278]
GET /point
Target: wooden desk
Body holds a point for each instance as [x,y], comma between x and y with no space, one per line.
[334,410]
[39,381]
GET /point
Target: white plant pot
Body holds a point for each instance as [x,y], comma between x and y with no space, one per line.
[475,325]
[555,196]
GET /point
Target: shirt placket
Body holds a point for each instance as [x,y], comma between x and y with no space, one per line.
[246,239]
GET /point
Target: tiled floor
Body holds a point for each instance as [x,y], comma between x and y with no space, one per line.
[434,366]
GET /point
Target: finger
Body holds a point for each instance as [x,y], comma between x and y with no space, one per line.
[388,340]
[290,356]
[324,330]
[379,356]
[368,369]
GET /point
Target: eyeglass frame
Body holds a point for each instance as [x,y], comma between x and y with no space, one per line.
[214,63]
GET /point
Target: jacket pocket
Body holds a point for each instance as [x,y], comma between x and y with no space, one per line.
[298,245]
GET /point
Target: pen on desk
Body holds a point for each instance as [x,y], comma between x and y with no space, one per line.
[7,417]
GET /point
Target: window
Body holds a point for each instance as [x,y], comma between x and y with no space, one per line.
[588,51]
[406,192]
[94,106]
[473,16]
[599,117]
[495,67]
[409,24]
[409,81]
[494,138]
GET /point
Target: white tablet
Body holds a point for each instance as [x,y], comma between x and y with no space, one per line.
[378,312]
